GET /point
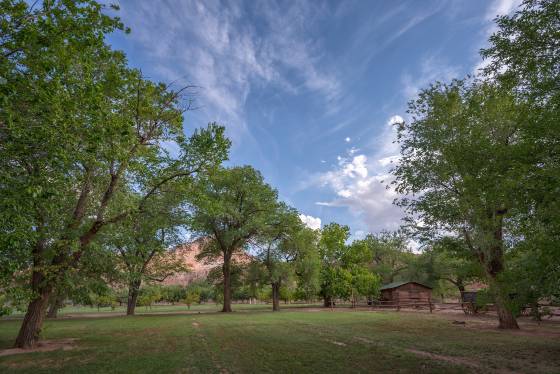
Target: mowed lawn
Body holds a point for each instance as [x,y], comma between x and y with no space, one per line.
[292,341]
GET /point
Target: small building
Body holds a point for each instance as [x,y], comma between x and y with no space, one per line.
[406,293]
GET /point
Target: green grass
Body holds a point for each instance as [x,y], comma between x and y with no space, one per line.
[293,341]
[207,307]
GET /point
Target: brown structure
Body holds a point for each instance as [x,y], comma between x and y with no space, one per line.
[406,293]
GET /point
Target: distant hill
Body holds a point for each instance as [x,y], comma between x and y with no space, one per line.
[198,269]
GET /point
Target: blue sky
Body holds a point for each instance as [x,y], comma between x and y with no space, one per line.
[308,90]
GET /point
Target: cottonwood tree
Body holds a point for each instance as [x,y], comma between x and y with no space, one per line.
[76,126]
[389,256]
[230,206]
[524,57]
[273,250]
[462,157]
[357,261]
[142,242]
[450,260]
[335,280]
[303,245]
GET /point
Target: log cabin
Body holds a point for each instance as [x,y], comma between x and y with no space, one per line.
[406,292]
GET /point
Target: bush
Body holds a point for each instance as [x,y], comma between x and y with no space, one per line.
[191,297]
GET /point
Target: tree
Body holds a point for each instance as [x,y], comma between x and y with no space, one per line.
[304,247]
[524,57]
[191,297]
[335,281]
[57,192]
[356,261]
[142,242]
[453,262]
[462,158]
[273,248]
[230,206]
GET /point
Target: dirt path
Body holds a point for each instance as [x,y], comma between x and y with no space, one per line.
[43,346]
[461,361]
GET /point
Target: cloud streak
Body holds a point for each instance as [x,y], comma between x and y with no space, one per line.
[211,45]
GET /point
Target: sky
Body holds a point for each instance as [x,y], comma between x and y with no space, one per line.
[309,91]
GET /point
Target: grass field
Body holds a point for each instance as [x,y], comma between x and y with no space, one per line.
[155,309]
[253,340]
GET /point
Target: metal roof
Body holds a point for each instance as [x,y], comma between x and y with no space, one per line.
[398,284]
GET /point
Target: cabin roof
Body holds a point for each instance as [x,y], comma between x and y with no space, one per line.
[402,283]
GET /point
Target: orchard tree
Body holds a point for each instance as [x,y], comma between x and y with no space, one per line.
[76,127]
[230,206]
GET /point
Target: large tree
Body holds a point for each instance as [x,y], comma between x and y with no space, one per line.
[76,126]
[273,250]
[462,157]
[335,280]
[142,242]
[390,257]
[364,282]
[230,206]
[303,247]
[524,57]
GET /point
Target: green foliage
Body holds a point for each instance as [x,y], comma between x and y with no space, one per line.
[5,307]
[149,295]
[82,144]
[231,206]
[387,255]
[365,283]
[192,296]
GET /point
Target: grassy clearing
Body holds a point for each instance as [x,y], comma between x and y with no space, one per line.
[290,341]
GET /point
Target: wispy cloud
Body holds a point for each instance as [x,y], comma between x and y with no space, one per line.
[210,44]
[432,68]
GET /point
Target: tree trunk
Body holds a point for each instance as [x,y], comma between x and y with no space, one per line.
[494,266]
[133,291]
[33,320]
[55,305]
[227,285]
[275,296]
[327,302]
[505,316]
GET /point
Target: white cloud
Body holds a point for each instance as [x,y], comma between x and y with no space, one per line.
[359,183]
[310,221]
